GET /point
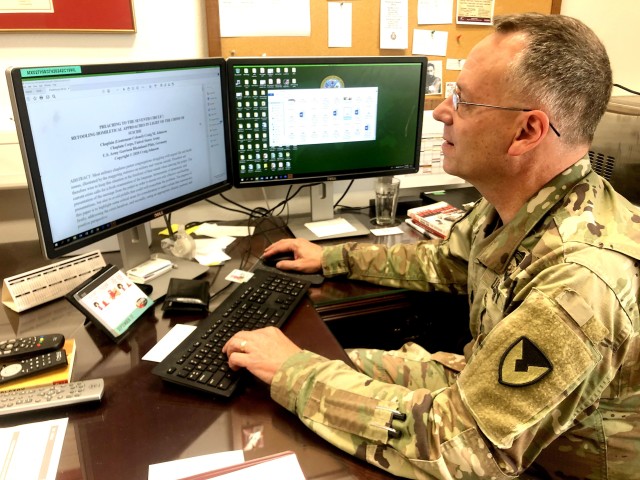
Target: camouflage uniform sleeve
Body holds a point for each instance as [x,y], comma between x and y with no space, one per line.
[521,389]
[434,437]
[423,266]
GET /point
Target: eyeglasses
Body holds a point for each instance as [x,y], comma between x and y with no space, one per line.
[455,97]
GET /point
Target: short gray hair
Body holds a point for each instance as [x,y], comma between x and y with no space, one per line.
[564,69]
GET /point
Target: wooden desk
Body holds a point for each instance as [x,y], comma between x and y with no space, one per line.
[142,420]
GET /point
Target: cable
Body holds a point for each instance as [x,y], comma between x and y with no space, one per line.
[344,194]
[225,208]
[235,203]
[167,221]
[625,88]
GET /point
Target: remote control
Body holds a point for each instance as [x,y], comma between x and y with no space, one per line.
[32,365]
[51,396]
[16,348]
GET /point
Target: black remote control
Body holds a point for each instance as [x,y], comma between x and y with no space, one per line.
[32,365]
[17,348]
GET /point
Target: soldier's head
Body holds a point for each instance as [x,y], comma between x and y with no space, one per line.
[536,87]
[563,69]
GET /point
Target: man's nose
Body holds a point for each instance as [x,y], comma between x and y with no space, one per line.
[444,111]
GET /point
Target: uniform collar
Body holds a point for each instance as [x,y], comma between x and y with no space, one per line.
[497,248]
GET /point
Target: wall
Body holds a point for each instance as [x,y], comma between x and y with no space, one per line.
[614,23]
[185,19]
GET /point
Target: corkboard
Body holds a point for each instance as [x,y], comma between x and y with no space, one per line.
[365,34]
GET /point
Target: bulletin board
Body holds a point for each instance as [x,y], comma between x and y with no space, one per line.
[365,34]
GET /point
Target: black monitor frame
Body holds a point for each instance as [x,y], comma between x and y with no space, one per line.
[400,103]
[132,240]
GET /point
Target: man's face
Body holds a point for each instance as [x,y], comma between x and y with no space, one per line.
[476,139]
[430,70]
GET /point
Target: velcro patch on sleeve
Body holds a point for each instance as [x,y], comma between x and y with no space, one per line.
[524,368]
[348,412]
[575,306]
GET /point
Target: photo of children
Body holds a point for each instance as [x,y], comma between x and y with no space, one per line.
[114,301]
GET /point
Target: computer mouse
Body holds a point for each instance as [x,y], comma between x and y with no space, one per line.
[273,260]
[315,279]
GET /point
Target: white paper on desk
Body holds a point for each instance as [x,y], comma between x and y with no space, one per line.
[169,342]
[210,251]
[187,467]
[32,450]
[326,228]
[215,231]
[378,232]
[211,259]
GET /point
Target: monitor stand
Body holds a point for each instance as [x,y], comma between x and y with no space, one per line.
[342,226]
[134,248]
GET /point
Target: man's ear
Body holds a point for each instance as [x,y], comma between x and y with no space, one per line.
[533,129]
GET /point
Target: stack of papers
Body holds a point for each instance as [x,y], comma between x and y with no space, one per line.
[210,251]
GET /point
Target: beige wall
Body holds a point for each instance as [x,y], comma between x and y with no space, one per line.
[615,23]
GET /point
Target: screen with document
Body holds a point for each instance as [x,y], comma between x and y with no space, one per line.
[108,147]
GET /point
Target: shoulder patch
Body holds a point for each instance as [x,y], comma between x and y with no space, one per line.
[524,368]
[522,364]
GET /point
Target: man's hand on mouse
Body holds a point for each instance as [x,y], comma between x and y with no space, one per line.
[307,256]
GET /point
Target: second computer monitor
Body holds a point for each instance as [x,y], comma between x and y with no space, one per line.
[324,118]
[319,119]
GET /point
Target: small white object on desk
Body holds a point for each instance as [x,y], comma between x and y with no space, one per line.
[379,232]
[215,231]
[327,228]
[169,342]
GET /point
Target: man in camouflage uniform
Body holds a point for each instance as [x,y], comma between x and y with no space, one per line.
[549,386]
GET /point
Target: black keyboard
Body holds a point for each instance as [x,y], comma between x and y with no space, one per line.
[268,298]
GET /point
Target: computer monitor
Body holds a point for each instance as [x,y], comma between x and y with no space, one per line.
[321,119]
[108,147]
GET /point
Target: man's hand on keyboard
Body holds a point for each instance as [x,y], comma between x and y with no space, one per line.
[261,351]
[307,255]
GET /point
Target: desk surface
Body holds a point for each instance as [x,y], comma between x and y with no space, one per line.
[142,420]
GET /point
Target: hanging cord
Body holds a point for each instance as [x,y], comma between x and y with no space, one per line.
[343,195]
[625,88]
[167,221]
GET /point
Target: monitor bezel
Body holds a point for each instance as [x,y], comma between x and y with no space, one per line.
[31,165]
[347,175]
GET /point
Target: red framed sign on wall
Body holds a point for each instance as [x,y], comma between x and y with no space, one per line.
[67,15]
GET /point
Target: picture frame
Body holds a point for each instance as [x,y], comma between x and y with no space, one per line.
[115,16]
[111,301]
